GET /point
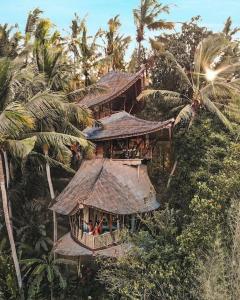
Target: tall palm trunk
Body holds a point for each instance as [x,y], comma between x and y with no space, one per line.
[8,225]
[52,194]
[139,53]
[7,172]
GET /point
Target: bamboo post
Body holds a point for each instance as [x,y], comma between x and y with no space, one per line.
[132,223]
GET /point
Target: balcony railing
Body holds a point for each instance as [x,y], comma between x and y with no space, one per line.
[98,241]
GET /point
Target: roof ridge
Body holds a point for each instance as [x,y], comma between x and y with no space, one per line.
[96,179]
[118,185]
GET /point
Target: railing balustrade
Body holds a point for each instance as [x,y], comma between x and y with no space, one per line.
[97,241]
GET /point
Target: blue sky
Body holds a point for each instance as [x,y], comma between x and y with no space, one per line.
[213,12]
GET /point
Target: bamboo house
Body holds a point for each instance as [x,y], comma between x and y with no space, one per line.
[110,191]
[114,191]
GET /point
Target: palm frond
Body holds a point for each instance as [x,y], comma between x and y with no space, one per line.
[38,161]
[210,106]
[213,53]
[55,139]
[161,24]
[157,46]
[177,67]
[77,115]
[185,115]
[21,148]
[93,89]
[165,93]
[32,20]
[15,119]
[217,90]
[45,104]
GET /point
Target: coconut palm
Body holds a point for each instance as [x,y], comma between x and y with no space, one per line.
[146,16]
[9,43]
[31,24]
[14,119]
[228,30]
[90,57]
[76,29]
[50,57]
[116,44]
[31,124]
[212,84]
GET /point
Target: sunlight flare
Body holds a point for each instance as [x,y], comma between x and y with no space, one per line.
[211,74]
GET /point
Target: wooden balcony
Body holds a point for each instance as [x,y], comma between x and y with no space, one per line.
[98,241]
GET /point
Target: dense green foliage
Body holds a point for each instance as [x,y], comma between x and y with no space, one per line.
[166,262]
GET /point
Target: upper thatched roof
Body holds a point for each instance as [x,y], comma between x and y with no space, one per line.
[113,186]
[123,125]
[114,83]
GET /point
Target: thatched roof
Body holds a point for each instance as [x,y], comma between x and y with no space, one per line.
[112,186]
[115,83]
[68,247]
[123,125]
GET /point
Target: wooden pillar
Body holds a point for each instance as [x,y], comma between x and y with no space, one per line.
[132,223]
[118,223]
[110,223]
[85,217]
[111,149]
[110,108]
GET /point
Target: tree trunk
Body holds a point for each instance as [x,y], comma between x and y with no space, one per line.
[6,168]
[52,194]
[139,54]
[51,288]
[7,172]
[8,225]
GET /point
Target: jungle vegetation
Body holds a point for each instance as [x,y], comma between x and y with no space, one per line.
[190,248]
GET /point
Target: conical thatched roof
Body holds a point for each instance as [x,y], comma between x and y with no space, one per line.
[123,125]
[113,186]
[115,84]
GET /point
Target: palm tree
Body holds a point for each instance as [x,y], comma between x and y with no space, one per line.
[9,43]
[116,44]
[14,119]
[45,269]
[50,57]
[22,125]
[228,30]
[212,84]
[89,57]
[31,25]
[146,16]
[76,29]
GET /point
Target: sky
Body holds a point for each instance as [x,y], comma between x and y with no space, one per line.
[61,12]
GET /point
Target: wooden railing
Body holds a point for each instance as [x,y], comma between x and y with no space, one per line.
[98,241]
